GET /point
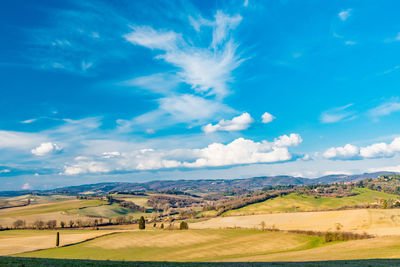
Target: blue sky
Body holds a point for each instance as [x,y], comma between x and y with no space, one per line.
[143,90]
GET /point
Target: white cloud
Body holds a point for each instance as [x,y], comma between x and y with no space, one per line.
[239,151]
[28,121]
[267,117]
[385,109]
[337,173]
[347,152]
[162,83]
[377,150]
[175,109]
[19,140]
[207,71]
[222,26]
[246,3]
[5,171]
[85,167]
[337,114]
[238,123]
[386,168]
[26,186]
[46,148]
[345,14]
[148,37]
[108,155]
[244,151]
[350,42]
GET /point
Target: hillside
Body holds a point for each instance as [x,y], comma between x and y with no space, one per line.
[209,185]
[301,202]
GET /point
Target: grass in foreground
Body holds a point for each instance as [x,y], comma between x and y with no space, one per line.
[300,202]
[32,262]
[18,241]
[191,245]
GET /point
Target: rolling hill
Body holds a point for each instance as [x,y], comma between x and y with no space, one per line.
[209,185]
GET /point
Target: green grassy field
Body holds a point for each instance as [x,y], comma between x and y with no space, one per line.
[33,262]
[138,200]
[190,245]
[300,202]
[107,211]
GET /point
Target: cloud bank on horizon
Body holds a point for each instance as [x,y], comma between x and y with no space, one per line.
[181,89]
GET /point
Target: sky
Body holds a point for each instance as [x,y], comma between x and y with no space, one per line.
[133,91]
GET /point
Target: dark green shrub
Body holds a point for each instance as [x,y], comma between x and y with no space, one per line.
[142,223]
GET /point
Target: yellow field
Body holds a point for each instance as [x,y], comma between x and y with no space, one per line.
[376,248]
[57,210]
[18,241]
[379,222]
[189,245]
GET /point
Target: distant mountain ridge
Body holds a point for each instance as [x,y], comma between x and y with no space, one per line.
[218,185]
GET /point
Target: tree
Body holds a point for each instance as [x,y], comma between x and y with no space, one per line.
[385,204]
[183,226]
[52,224]
[262,225]
[71,223]
[58,239]
[62,223]
[38,224]
[142,223]
[162,226]
[19,224]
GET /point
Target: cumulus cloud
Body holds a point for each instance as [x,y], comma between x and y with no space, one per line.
[345,14]
[244,151]
[351,152]
[267,117]
[337,114]
[239,151]
[45,149]
[85,167]
[346,152]
[26,186]
[108,155]
[238,123]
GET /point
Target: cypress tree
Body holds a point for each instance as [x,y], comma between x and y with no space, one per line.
[162,226]
[58,239]
[142,223]
[183,226]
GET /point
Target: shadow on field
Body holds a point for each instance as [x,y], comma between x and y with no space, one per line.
[36,262]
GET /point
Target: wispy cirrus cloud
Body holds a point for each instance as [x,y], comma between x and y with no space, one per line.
[338,114]
[175,109]
[345,14]
[385,109]
[206,70]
